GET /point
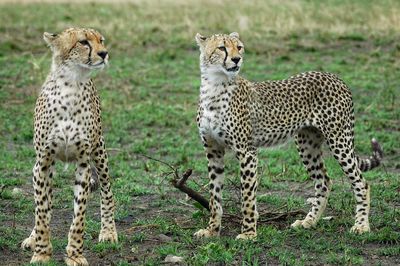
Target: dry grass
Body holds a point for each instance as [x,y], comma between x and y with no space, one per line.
[256,18]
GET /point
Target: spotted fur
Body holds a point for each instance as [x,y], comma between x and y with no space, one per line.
[67,127]
[241,115]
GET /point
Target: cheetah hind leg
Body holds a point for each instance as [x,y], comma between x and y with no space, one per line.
[29,243]
[314,215]
[309,141]
[344,153]
[205,233]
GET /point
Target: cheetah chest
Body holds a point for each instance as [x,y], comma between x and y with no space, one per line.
[210,124]
[71,123]
[213,109]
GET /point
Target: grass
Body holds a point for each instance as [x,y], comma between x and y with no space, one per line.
[149,98]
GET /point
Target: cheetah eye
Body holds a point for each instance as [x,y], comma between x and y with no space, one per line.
[221,48]
[240,47]
[84,42]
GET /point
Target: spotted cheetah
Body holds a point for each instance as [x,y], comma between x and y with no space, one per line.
[241,115]
[67,127]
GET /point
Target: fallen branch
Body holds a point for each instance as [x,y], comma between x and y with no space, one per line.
[180,184]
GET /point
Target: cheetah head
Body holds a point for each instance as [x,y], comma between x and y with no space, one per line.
[220,55]
[78,47]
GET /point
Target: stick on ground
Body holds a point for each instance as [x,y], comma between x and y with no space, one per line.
[180,184]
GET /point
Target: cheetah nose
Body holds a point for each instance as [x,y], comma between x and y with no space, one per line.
[102,54]
[236,59]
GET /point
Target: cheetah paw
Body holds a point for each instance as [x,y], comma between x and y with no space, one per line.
[29,243]
[109,235]
[360,228]
[76,261]
[306,223]
[40,258]
[247,236]
[205,233]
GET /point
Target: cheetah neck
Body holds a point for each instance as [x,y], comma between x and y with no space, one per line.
[70,73]
[217,76]
[213,88]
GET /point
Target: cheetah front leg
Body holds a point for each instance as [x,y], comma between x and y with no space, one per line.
[39,240]
[29,243]
[215,156]
[108,230]
[248,174]
[81,193]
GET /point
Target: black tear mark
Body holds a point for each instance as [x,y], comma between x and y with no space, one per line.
[72,48]
[226,53]
[90,53]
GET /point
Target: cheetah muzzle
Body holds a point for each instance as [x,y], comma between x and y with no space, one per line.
[241,116]
[233,69]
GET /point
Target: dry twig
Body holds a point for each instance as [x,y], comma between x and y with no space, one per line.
[180,183]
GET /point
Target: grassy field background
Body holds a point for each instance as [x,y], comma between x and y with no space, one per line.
[149,98]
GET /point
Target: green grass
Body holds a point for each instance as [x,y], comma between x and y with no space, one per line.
[149,99]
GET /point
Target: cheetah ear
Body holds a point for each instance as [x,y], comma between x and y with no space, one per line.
[200,39]
[49,38]
[234,34]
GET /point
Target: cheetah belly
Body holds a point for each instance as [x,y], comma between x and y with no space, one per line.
[69,139]
[269,137]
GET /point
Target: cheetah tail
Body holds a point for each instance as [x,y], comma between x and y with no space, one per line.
[374,160]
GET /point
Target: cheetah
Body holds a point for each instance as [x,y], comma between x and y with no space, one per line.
[240,115]
[67,127]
